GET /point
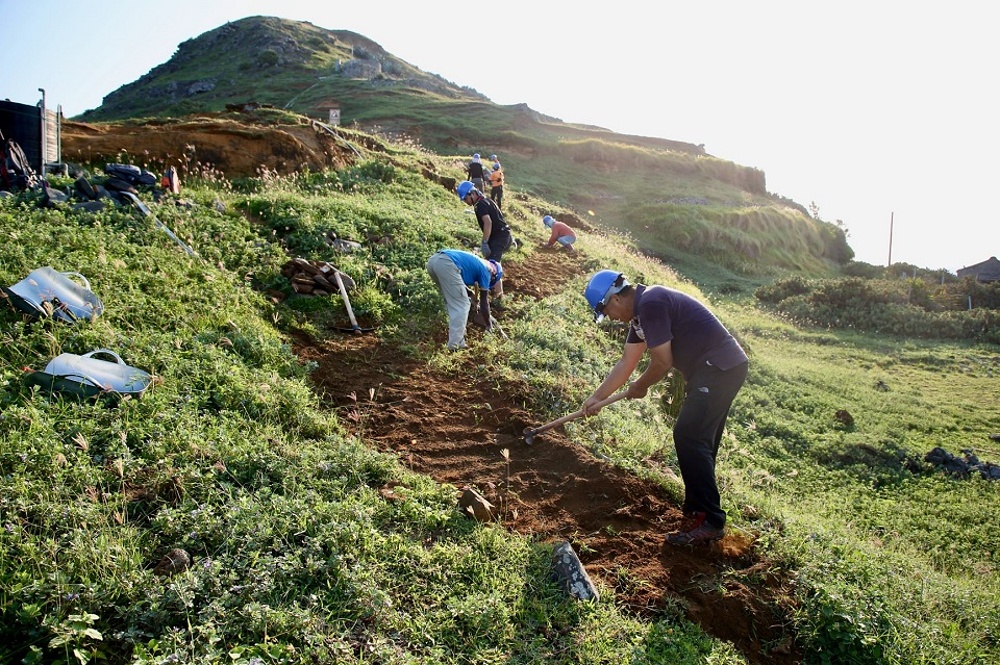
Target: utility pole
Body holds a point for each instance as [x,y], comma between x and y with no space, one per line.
[43,148]
[888,265]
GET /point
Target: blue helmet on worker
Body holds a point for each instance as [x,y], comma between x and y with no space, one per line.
[601,287]
[498,275]
[548,221]
[464,188]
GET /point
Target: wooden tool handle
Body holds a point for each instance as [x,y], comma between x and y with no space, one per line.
[347,303]
[576,414]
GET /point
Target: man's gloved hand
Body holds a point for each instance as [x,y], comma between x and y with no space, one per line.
[485,249]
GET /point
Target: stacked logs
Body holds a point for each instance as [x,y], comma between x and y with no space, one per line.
[314,278]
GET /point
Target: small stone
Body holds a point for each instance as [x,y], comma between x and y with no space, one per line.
[173,562]
[571,574]
[475,504]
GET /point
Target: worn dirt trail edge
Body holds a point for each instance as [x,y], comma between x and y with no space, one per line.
[440,425]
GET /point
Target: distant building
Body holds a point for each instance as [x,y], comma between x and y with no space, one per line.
[987,271]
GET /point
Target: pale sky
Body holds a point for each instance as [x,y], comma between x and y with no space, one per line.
[870,110]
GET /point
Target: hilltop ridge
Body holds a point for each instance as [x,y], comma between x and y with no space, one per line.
[676,200]
[235,61]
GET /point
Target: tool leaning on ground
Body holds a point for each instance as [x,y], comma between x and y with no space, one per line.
[146,212]
[355,328]
[530,434]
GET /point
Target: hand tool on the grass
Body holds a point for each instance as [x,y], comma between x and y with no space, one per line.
[146,212]
[530,434]
[355,328]
[496,326]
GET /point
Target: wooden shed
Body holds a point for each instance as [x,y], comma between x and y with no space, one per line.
[986,271]
[37,129]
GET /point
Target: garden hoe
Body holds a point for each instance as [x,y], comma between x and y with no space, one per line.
[355,328]
[530,434]
[496,326]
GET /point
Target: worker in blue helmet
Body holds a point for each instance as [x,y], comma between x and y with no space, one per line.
[679,332]
[476,172]
[453,272]
[497,236]
[560,232]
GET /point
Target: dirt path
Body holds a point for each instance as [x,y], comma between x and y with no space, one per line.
[454,429]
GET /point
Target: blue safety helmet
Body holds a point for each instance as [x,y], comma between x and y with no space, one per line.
[548,221]
[464,188]
[496,166]
[601,287]
[493,157]
[497,277]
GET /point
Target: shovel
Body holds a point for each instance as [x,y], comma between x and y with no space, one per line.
[355,328]
[530,434]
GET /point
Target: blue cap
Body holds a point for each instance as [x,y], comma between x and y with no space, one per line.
[497,277]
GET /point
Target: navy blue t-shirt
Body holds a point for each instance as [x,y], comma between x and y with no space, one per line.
[475,170]
[486,206]
[664,315]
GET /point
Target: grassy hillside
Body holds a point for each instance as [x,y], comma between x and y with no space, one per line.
[671,196]
[261,451]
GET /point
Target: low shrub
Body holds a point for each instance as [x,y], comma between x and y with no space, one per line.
[906,308]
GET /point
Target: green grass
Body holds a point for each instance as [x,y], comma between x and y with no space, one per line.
[297,558]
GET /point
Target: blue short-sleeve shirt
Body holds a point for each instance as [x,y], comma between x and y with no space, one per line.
[473,268]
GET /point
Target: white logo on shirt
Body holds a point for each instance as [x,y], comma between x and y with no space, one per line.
[637,327]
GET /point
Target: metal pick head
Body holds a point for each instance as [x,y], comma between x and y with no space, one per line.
[529,435]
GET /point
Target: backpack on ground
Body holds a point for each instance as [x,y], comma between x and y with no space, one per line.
[131,174]
[15,170]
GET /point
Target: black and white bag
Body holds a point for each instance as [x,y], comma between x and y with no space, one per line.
[48,292]
[87,376]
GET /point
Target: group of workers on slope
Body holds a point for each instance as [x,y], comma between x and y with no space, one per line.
[479,175]
[454,271]
[677,330]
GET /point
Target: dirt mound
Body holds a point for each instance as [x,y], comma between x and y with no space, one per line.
[209,141]
[456,429]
